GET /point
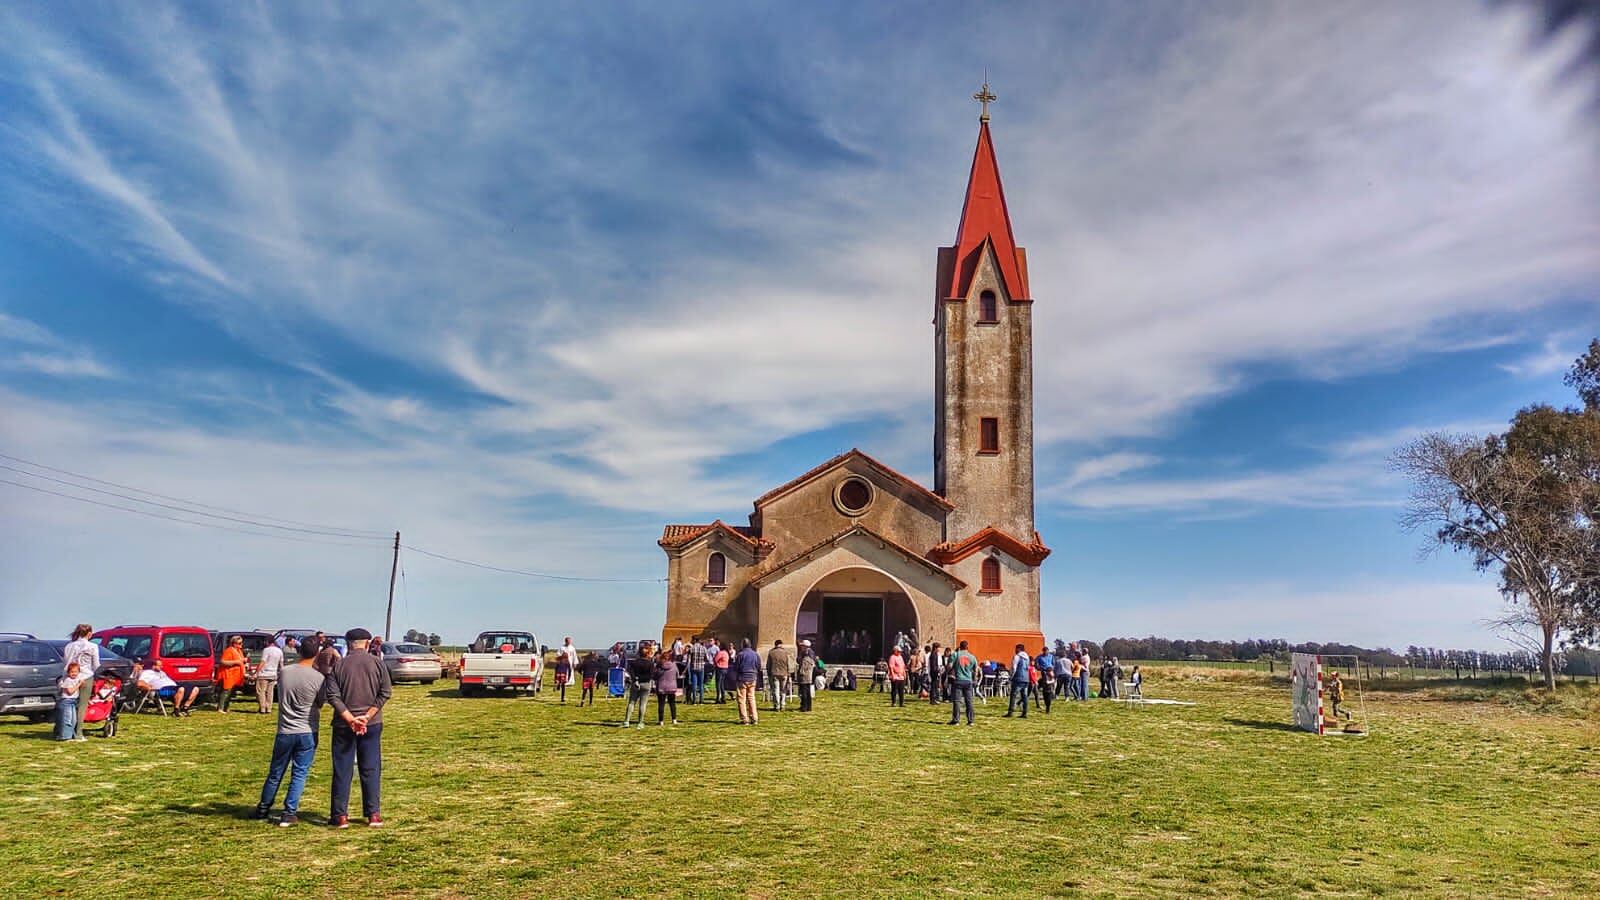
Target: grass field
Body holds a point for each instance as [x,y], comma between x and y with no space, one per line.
[1488,789]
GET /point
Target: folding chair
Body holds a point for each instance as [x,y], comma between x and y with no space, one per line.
[159,698]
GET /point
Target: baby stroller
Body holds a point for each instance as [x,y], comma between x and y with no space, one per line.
[105,703]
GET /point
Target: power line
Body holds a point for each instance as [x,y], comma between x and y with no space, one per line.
[353,532]
[145,512]
[544,575]
[182,509]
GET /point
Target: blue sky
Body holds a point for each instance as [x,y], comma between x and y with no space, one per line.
[526,282]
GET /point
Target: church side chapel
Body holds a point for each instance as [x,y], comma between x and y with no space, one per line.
[852,553]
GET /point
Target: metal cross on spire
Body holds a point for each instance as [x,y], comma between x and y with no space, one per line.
[985,97]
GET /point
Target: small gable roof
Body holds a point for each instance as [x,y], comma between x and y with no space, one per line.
[674,537]
[1030,552]
[915,488]
[807,554]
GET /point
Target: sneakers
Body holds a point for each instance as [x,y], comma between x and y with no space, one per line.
[257,814]
[374,821]
[288,821]
[674,721]
[339,822]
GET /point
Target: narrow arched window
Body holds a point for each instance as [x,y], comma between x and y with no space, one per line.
[991,576]
[988,308]
[717,569]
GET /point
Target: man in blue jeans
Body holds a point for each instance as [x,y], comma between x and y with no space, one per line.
[357,691]
[1021,663]
[299,698]
[964,675]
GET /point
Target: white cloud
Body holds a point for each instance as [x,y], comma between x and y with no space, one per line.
[50,364]
[47,354]
[1554,356]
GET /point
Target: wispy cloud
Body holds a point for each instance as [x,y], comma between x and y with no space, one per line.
[30,347]
[1555,355]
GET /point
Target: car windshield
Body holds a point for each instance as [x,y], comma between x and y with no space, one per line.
[520,642]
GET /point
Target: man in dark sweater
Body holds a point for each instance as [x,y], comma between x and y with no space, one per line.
[357,690]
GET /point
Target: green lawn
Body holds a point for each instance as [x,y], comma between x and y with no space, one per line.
[1483,790]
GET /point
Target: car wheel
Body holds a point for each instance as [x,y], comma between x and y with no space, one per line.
[36,718]
[468,690]
[427,681]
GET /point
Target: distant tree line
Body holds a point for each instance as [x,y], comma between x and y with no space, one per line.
[1571,661]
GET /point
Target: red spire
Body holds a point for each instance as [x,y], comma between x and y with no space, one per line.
[984,218]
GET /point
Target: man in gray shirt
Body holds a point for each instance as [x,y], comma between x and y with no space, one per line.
[357,690]
[299,697]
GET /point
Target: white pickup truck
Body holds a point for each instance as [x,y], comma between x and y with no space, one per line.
[502,661]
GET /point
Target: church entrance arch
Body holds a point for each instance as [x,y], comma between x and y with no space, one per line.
[852,615]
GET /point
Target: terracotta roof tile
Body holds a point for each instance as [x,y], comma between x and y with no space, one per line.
[1029,552]
[674,536]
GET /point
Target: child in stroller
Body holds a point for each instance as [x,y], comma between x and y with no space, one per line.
[104,703]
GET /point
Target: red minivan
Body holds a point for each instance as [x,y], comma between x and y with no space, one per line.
[185,651]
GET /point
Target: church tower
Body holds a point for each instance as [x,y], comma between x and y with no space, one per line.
[983,341]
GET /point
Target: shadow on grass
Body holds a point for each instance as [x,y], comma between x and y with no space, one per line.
[215,808]
[1261,724]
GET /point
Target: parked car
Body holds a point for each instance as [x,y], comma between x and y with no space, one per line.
[186,652]
[300,634]
[110,662]
[28,671]
[407,661]
[254,643]
[502,660]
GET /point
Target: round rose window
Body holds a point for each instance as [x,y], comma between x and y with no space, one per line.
[853,496]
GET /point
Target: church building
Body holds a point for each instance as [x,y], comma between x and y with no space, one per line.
[852,553]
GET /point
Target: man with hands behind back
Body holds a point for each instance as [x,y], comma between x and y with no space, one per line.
[357,690]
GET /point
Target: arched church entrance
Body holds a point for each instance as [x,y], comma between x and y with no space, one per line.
[852,615]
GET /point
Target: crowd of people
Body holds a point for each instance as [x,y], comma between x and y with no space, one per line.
[354,684]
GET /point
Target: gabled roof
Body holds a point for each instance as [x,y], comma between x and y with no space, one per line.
[985,221]
[1031,553]
[887,472]
[676,536]
[805,556]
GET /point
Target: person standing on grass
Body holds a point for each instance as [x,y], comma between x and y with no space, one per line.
[267,676]
[69,688]
[590,671]
[747,674]
[86,654]
[721,659]
[571,653]
[230,672]
[699,659]
[1046,664]
[897,679]
[300,695]
[805,670]
[1063,672]
[1021,665]
[1336,696]
[563,674]
[666,678]
[327,653]
[1083,673]
[780,668]
[963,680]
[357,691]
[935,672]
[918,664]
[641,674]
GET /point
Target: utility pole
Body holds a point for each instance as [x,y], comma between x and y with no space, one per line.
[388,617]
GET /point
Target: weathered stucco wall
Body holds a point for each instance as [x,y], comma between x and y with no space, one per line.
[808,515]
[695,606]
[1015,608]
[986,371]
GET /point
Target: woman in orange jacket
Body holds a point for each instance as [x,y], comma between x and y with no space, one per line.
[230,672]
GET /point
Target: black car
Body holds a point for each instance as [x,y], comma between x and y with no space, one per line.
[28,671]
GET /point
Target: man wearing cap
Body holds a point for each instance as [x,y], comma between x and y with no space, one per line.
[357,690]
[805,671]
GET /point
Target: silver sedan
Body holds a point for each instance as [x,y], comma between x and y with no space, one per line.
[412,662]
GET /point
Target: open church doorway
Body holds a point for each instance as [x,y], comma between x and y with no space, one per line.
[853,616]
